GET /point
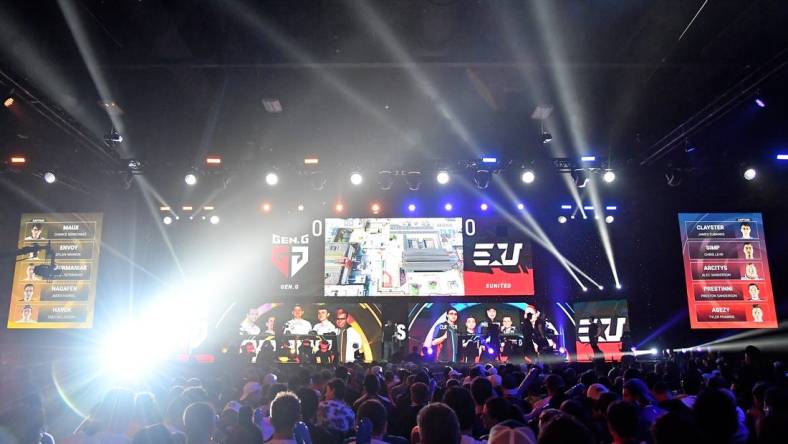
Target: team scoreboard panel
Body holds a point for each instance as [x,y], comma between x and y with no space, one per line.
[727,270]
[63,296]
[360,257]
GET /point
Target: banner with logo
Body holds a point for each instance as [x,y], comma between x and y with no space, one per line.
[727,271]
[602,327]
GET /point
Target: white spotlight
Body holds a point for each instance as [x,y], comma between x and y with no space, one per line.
[528,176]
[356,178]
[618,287]
[601,287]
[300,207]
[609,176]
[190,179]
[271,179]
[49,177]
[750,173]
[442,177]
[520,206]
[215,219]
[561,219]
[609,218]
[167,220]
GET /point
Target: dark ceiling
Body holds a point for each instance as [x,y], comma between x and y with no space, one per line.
[375,84]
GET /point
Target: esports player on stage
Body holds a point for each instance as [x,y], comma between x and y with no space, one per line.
[749,251]
[471,345]
[491,330]
[508,345]
[348,338]
[746,230]
[445,337]
[595,330]
[528,336]
[35,233]
[323,326]
[297,325]
[755,292]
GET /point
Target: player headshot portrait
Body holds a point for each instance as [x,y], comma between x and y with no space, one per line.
[745,230]
[749,251]
[323,326]
[506,326]
[755,292]
[757,313]
[270,325]
[27,315]
[30,273]
[27,294]
[750,272]
[35,232]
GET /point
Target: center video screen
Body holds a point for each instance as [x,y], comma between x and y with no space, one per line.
[311,333]
[478,332]
[425,257]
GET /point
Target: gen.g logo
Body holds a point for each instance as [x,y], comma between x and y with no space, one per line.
[290,254]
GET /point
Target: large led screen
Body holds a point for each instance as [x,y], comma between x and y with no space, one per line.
[54,284]
[314,333]
[602,327]
[477,332]
[425,257]
[727,271]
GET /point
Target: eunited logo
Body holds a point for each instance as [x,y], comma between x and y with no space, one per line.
[290,254]
[497,254]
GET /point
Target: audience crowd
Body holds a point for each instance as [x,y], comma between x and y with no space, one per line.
[688,398]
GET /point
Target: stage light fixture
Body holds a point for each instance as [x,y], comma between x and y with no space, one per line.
[618,287]
[18,160]
[760,102]
[165,208]
[356,178]
[311,161]
[588,158]
[654,351]
[520,206]
[300,207]
[411,208]
[339,208]
[482,179]
[561,219]
[266,207]
[442,177]
[448,207]
[585,289]
[375,208]
[49,177]
[546,138]
[385,180]
[190,179]
[413,179]
[580,178]
[633,349]
[215,219]
[272,179]
[609,176]
[566,207]
[600,287]
[528,176]
[318,180]
[213,161]
[782,156]
[483,207]
[609,218]
[8,102]
[167,220]
[750,173]
[187,208]
[489,160]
